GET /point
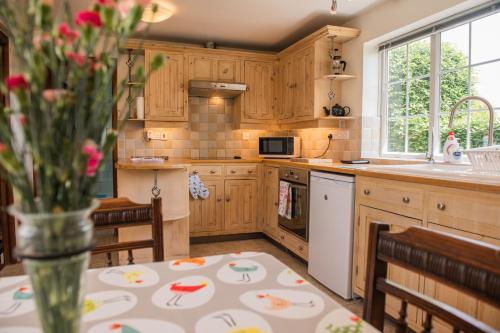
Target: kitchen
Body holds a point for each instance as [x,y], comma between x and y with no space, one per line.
[292,142]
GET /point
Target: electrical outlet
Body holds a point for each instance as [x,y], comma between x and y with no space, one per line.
[330,136]
[246,136]
[154,134]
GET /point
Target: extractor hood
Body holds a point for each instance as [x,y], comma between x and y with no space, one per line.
[215,89]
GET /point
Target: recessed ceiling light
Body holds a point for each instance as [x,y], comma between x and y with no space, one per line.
[333,9]
[163,12]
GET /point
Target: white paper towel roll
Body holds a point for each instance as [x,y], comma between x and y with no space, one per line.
[140,107]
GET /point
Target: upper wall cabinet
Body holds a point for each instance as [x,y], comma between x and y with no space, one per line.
[165,95]
[208,68]
[258,104]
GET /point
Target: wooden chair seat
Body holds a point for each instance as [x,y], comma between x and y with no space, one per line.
[119,213]
[466,265]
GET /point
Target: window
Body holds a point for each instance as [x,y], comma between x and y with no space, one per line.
[462,60]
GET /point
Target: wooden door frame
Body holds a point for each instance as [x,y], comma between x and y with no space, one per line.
[7,197]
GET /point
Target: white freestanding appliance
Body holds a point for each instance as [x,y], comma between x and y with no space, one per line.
[331,221]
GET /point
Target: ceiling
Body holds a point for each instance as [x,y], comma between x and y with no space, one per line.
[253,24]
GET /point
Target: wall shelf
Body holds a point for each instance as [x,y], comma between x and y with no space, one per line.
[336,118]
[342,77]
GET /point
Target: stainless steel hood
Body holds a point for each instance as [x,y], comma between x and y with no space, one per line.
[215,89]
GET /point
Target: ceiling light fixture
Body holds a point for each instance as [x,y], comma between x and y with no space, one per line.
[333,9]
[162,13]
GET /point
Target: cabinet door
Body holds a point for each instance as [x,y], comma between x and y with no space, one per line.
[208,215]
[240,206]
[228,70]
[164,91]
[202,68]
[486,312]
[399,275]
[448,295]
[287,89]
[304,85]
[271,197]
[259,99]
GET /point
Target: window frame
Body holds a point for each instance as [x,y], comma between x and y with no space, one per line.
[434,92]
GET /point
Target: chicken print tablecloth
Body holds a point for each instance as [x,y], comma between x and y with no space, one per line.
[247,292]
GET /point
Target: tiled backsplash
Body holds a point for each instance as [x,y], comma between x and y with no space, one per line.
[210,134]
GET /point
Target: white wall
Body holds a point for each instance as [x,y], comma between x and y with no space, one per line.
[379,24]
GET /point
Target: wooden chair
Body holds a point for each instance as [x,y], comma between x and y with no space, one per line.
[121,213]
[465,265]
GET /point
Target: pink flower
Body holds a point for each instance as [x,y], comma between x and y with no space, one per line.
[16,82]
[107,3]
[88,17]
[77,58]
[39,38]
[22,119]
[52,95]
[124,7]
[66,32]
[94,157]
[3,147]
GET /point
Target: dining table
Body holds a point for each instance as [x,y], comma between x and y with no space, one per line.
[242,292]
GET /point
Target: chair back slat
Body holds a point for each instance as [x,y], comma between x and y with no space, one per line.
[119,213]
[465,265]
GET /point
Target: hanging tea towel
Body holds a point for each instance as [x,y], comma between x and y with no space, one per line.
[197,188]
[285,207]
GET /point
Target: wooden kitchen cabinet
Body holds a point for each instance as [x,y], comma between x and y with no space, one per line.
[240,204]
[165,96]
[258,103]
[404,277]
[303,102]
[271,201]
[287,89]
[208,215]
[208,68]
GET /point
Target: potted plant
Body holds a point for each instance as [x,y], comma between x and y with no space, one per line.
[53,137]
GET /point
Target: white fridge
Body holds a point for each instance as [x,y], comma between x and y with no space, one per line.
[331,225]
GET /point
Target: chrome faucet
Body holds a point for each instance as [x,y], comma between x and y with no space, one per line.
[481,99]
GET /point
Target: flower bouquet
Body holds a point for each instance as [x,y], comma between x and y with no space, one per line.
[53,137]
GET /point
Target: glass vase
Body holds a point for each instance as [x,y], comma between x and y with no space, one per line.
[55,249]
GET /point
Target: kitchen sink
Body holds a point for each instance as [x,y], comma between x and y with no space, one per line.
[451,171]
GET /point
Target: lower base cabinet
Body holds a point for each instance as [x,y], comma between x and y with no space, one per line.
[241,205]
[208,215]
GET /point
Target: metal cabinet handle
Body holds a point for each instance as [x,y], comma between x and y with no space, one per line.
[250,171]
[441,206]
[269,172]
[212,172]
[228,199]
[366,192]
[276,204]
[406,200]
[301,248]
[233,171]
[219,199]
[286,175]
[195,172]
[296,177]
[282,237]
[326,197]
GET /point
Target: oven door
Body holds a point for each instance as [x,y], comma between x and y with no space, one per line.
[298,224]
[277,146]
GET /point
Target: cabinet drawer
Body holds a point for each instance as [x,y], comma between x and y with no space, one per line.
[241,171]
[207,170]
[392,196]
[294,244]
[469,211]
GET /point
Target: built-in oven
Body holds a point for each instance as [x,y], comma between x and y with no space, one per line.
[294,188]
[279,147]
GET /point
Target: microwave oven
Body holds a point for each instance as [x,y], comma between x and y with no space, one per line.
[279,147]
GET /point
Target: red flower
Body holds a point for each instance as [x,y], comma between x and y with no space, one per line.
[94,157]
[3,147]
[88,17]
[77,58]
[66,32]
[106,3]
[115,326]
[355,319]
[16,82]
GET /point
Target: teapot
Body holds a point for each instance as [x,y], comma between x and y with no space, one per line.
[340,111]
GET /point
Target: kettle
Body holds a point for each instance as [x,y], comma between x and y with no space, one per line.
[338,65]
[340,111]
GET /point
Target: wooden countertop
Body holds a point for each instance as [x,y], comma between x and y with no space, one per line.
[357,170]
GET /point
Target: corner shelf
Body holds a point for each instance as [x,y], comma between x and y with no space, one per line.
[336,118]
[342,77]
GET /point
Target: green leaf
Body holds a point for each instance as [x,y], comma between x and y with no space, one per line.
[157,62]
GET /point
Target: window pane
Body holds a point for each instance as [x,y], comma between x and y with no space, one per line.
[479,124]
[419,97]
[419,57]
[454,85]
[418,134]
[485,46]
[486,83]
[496,132]
[396,136]
[397,64]
[397,99]
[455,48]
[459,128]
